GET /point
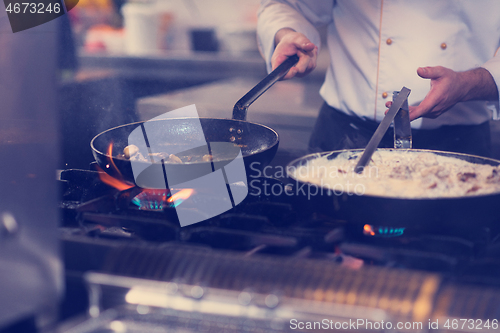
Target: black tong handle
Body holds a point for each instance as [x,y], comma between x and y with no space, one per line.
[241,107]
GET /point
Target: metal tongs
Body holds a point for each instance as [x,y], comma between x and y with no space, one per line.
[399,112]
[402,128]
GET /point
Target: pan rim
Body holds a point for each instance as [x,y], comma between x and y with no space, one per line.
[138,123]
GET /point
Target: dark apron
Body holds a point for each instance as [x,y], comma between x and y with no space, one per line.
[335,130]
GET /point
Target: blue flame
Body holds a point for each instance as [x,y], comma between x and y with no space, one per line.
[152,200]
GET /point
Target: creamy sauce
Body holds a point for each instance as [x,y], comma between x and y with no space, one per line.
[403,174]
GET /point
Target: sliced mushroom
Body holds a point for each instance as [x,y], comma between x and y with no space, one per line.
[174,159]
[130,151]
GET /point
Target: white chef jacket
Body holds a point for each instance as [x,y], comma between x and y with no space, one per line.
[376,46]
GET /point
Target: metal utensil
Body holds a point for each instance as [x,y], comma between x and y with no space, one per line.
[402,128]
[381,129]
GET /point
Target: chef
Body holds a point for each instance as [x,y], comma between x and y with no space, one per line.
[445,51]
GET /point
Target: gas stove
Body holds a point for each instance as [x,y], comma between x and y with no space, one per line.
[274,263]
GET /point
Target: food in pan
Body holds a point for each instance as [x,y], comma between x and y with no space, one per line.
[132,153]
[404,174]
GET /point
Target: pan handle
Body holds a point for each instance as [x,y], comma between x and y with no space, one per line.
[241,107]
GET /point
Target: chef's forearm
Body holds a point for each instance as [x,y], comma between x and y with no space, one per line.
[302,17]
[478,85]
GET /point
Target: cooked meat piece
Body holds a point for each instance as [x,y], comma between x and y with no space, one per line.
[466,176]
[474,188]
[401,172]
[432,182]
[494,177]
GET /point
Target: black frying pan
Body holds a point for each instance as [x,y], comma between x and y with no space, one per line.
[437,214]
[258,143]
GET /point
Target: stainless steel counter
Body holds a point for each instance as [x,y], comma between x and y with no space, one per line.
[178,65]
[195,65]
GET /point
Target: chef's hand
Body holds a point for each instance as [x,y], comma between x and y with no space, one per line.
[288,42]
[449,87]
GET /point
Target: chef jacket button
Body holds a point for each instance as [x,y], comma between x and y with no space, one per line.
[444,46]
[385,94]
[388,41]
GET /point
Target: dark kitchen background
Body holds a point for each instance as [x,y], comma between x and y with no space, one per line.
[82,253]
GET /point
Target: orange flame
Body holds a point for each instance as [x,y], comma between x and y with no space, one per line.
[122,185]
[110,154]
[119,184]
[368,230]
[180,196]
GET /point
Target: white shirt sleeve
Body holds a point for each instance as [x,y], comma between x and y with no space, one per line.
[493,66]
[299,15]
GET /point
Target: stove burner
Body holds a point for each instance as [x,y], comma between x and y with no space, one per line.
[153,200]
[373,231]
[158,200]
[281,225]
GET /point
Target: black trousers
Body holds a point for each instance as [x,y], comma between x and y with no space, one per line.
[335,130]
